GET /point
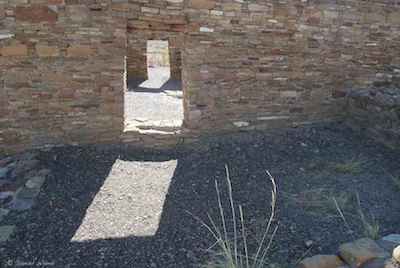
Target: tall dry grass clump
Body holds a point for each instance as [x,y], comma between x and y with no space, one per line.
[231,248]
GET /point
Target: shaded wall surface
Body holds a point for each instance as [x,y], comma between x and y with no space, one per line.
[244,64]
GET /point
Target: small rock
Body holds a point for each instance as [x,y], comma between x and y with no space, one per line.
[35,182]
[4,172]
[389,242]
[395,238]
[27,193]
[361,251]
[241,124]
[378,263]
[5,232]
[6,194]
[396,254]
[44,172]
[27,156]
[321,261]
[21,204]
[309,243]
[24,166]
[5,161]
[3,212]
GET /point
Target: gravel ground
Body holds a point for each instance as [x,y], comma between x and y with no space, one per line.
[108,207]
[156,101]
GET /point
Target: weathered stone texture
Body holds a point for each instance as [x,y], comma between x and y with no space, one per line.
[244,64]
[60,77]
[376,113]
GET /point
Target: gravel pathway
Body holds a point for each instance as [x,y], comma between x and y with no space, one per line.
[108,207]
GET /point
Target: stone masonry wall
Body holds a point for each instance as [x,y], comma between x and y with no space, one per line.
[245,64]
[155,20]
[272,63]
[61,68]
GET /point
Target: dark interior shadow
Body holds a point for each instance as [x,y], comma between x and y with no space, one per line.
[78,173]
[171,84]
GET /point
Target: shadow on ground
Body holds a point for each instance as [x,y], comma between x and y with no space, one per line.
[300,159]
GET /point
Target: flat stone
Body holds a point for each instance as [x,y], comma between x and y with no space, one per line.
[387,245]
[396,254]
[389,242]
[27,193]
[15,50]
[202,4]
[379,263]
[5,161]
[241,124]
[395,238]
[321,261]
[27,156]
[35,182]
[5,232]
[21,204]
[6,36]
[4,172]
[36,14]
[6,194]
[24,166]
[361,251]
[44,172]
[3,212]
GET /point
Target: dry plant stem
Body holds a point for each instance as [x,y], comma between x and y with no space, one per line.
[244,236]
[233,212]
[272,215]
[342,215]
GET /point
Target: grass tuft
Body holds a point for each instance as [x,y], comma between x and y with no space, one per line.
[232,251]
[350,167]
[370,226]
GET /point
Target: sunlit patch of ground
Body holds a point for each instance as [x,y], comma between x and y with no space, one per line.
[128,203]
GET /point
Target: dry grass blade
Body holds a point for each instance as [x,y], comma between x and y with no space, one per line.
[272,214]
[233,213]
[229,254]
[244,236]
[342,215]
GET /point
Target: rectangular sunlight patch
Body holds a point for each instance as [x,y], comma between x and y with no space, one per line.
[129,203]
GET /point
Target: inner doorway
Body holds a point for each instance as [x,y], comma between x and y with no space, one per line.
[155,103]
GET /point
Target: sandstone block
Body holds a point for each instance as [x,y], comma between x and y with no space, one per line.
[16,50]
[202,4]
[56,2]
[78,13]
[36,14]
[47,51]
[361,251]
[379,263]
[150,10]
[321,261]
[79,51]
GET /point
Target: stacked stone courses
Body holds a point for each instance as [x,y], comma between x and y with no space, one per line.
[245,65]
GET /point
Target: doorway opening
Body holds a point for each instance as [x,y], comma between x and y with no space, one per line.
[155,103]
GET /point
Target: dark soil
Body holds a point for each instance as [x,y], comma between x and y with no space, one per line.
[311,166]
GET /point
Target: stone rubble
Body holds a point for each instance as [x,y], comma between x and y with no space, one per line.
[362,253]
[21,181]
[375,112]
